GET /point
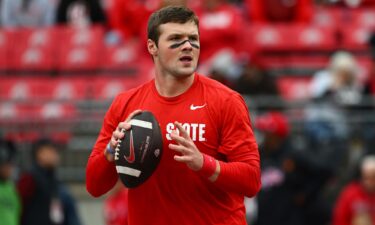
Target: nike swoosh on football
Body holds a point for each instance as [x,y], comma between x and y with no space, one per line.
[194,107]
[131,156]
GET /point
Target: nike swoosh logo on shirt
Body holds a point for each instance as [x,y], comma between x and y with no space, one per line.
[194,107]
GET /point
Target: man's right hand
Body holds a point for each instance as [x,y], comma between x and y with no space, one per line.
[118,134]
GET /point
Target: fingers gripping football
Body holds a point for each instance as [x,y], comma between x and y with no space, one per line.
[189,153]
[119,134]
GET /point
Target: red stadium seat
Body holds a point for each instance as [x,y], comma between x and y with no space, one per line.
[70,88]
[78,58]
[361,17]
[260,37]
[327,17]
[53,110]
[312,38]
[33,49]
[287,38]
[106,88]
[270,61]
[81,49]
[14,88]
[308,61]
[5,37]
[355,38]
[8,111]
[120,57]
[61,89]
[294,87]
[31,59]
[44,88]
[80,37]
[26,111]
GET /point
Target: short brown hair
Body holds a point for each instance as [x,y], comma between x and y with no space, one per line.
[169,14]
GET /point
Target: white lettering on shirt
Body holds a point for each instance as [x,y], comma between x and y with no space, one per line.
[196,131]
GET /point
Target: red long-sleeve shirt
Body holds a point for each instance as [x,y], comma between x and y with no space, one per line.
[354,204]
[220,28]
[116,208]
[280,11]
[175,194]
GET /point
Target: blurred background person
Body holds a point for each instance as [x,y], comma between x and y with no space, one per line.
[128,17]
[45,201]
[80,13]
[256,81]
[220,27]
[28,13]
[336,99]
[333,91]
[116,206]
[277,194]
[340,80]
[368,101]
[356,203]
[280,11]
[293,178]
[370,82]
[10,206]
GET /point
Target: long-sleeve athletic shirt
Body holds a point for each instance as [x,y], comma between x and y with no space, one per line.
[217,120]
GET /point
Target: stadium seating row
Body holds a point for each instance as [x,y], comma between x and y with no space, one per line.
[40,91]
[66,88]
[63,48]
[66,49]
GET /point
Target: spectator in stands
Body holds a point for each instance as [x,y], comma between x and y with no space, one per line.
[293,177]
[80,13]
[271,11]
[256,81]
[356,203]
[115,206]
[223,67]
[45,201]
[339,80]
[129,17]
[368,101]
[276,195]
[369,88]
[333,90]
[27,13]
[221,27]
[10,207]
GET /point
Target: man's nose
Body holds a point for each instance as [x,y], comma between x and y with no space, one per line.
[186,45]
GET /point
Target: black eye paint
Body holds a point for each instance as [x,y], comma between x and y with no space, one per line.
[183,42]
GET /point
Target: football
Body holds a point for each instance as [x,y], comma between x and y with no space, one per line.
[138,154]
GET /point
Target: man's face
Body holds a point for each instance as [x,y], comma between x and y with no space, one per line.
[368,178]
[48,157]
[178,50]
[6,171]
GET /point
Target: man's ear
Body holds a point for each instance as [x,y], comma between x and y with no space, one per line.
[151,47]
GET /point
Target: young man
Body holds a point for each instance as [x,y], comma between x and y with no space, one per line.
[210,160]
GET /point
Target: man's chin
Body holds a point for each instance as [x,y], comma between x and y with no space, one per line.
[185,72]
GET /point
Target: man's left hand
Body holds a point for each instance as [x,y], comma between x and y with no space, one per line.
[186,147]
